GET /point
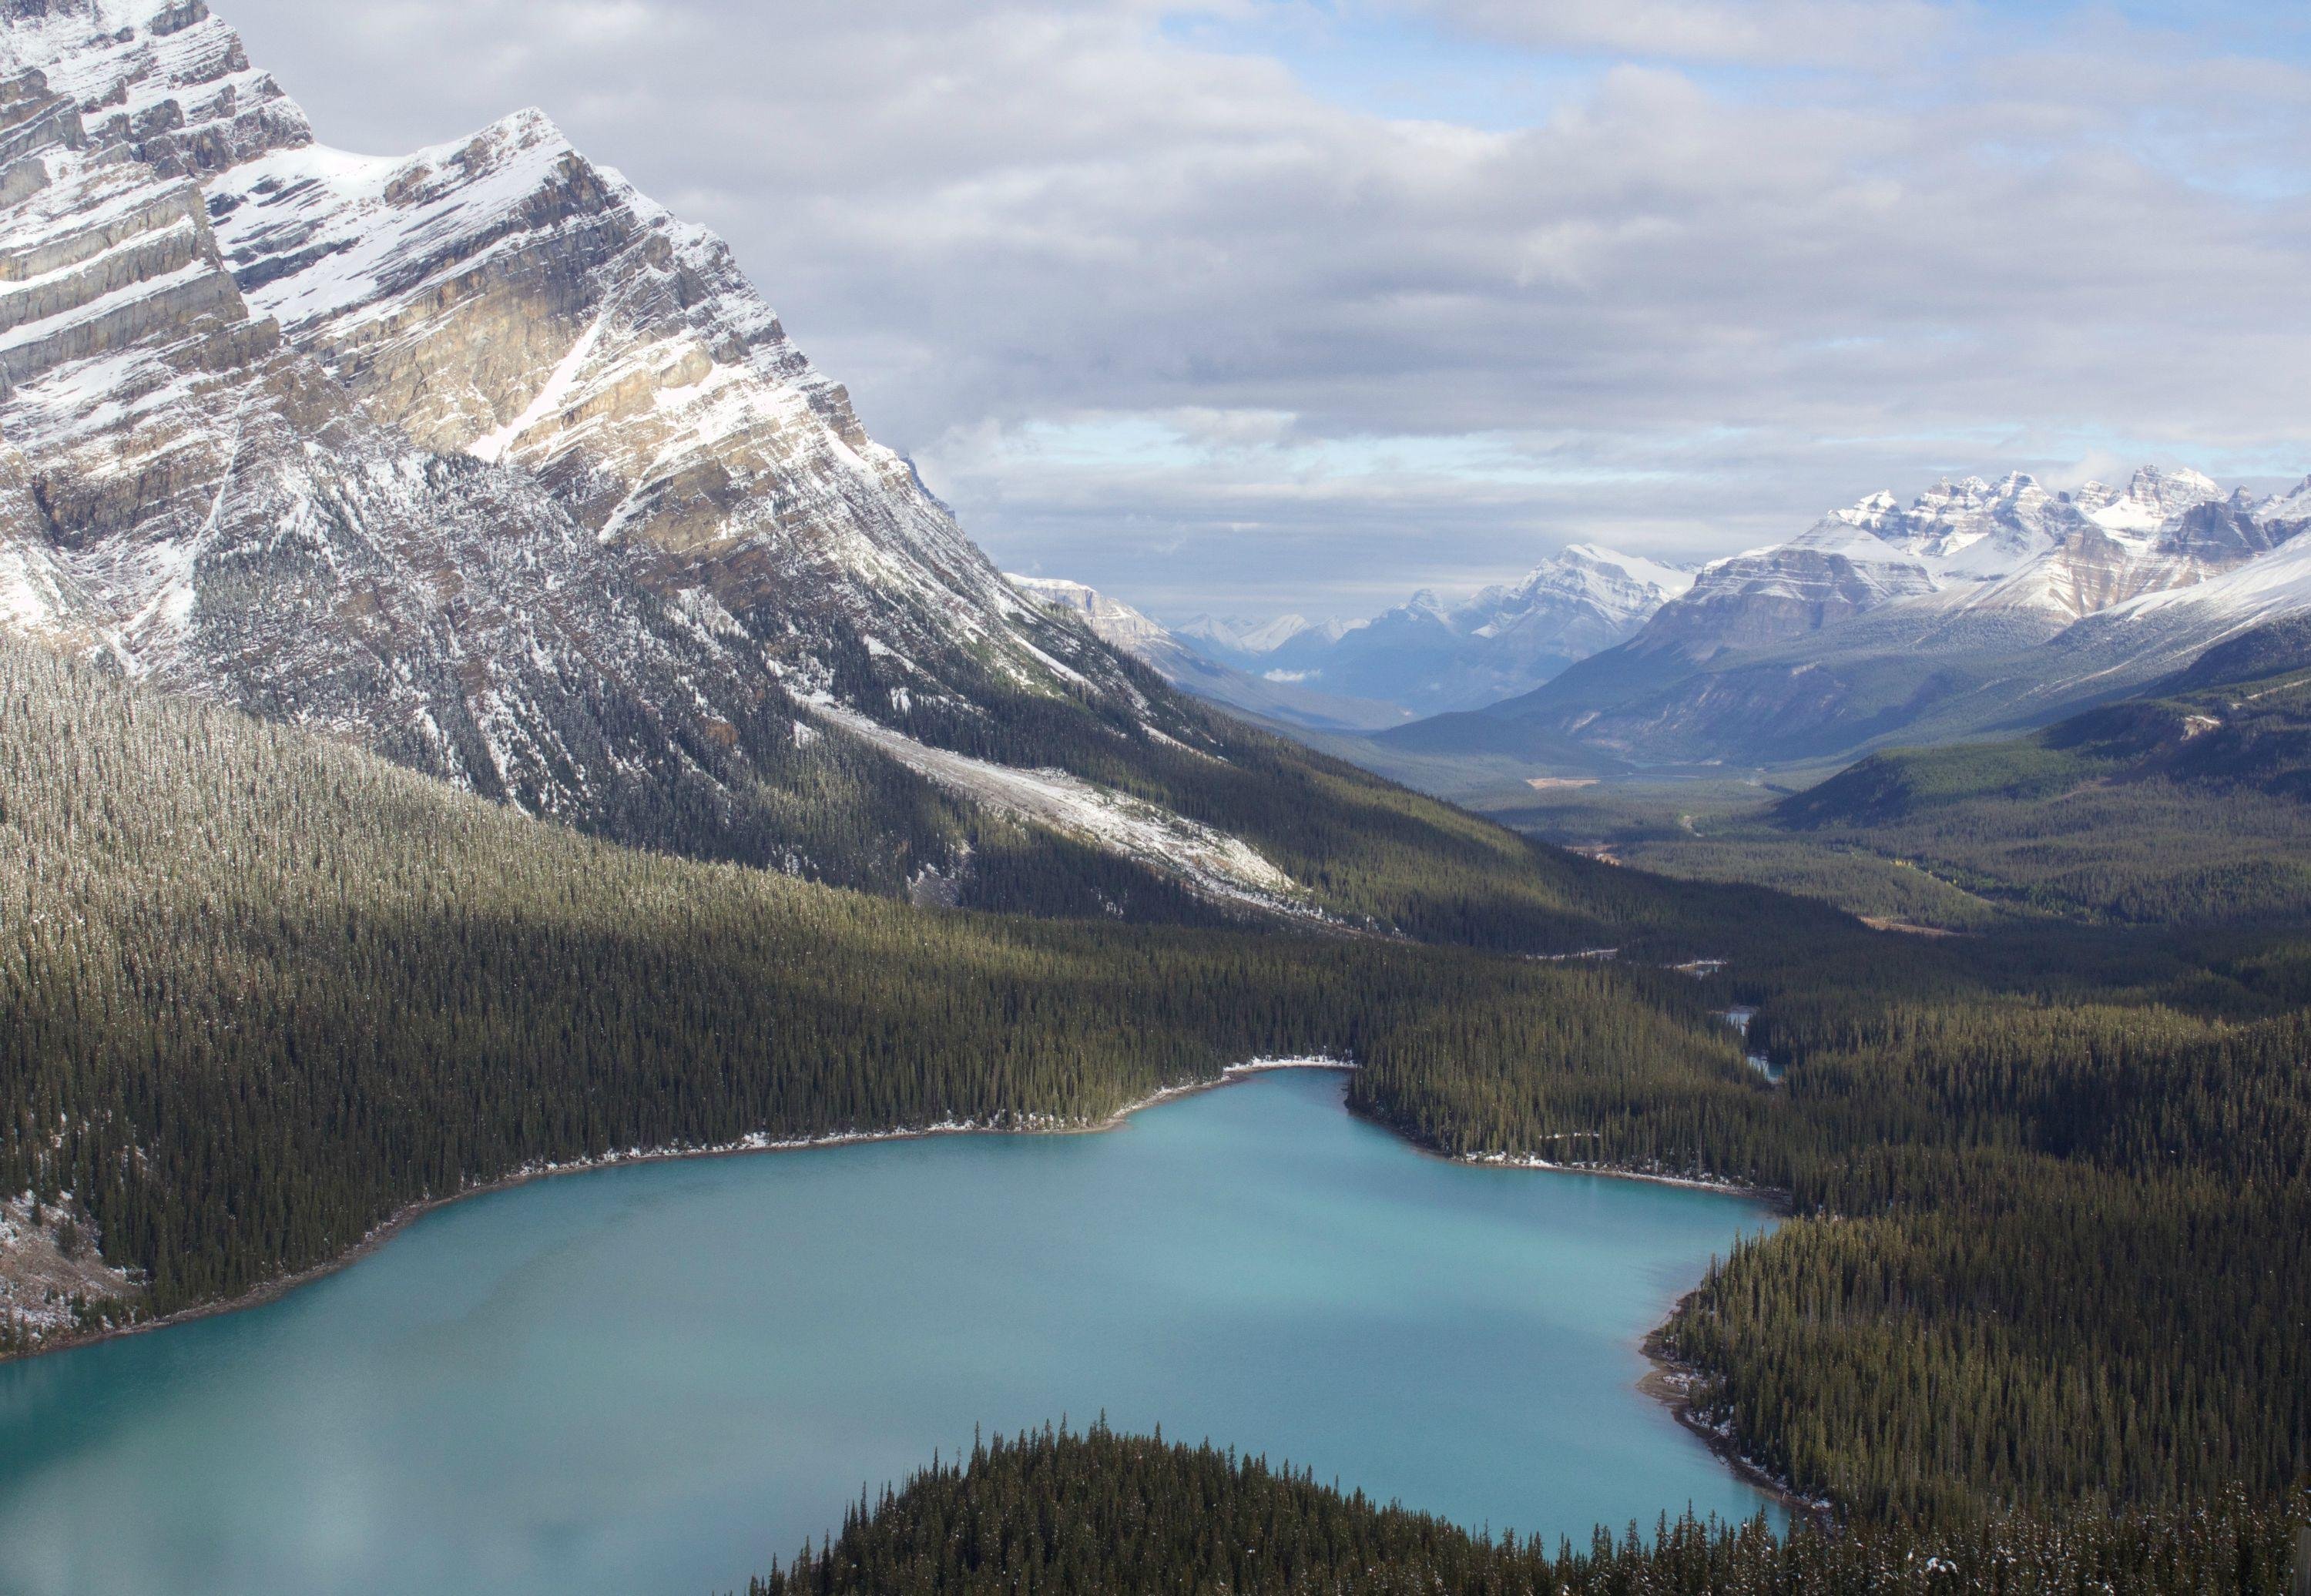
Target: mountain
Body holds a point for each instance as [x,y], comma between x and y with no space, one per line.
[1241,642]
[482,460]
[1427,655]
[2189,801]
[1979,606]
[477,456]
[1117,624]
[2238,716]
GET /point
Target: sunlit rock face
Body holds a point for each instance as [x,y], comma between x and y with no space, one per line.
[477,457]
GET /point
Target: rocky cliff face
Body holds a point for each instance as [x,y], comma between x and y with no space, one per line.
[477,456]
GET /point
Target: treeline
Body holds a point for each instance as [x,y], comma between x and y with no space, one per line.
[2155,810]
[1378,855]
[259,992]
[2053,1248]
[1061,1513]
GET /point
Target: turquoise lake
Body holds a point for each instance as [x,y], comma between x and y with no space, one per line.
[657,1378]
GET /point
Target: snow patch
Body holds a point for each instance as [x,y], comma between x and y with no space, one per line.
[1212,861]
[549,398]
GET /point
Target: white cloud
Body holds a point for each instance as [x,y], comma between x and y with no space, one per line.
[1126,296]
[1777,32]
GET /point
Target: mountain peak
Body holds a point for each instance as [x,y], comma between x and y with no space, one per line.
[476,454]
[1669,581]
[2153,497]
[169,86]
[1110,619]
[2153,479]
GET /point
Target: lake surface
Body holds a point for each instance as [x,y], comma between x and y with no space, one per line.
[658,1377]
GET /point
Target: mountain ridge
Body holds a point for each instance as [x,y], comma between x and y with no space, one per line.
[1979,607]
[480,459]
[1428,654]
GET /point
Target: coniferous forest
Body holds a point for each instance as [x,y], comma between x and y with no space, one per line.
[1100,1512]
[262,992]
[2043,1315]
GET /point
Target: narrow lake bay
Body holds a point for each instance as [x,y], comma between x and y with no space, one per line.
[655,1378]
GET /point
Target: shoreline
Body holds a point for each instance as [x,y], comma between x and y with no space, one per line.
[394,1223]
[1770,1196]
[1671,1383]
[1667,1381]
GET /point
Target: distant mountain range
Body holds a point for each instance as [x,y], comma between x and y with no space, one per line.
[482,460]
[1423,656]
[1979,607]
[1192,665]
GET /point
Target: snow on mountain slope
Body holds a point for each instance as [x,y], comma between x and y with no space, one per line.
[477,457]
[1585,598]
[1428,654]
[1629,574]
[504,297]
[1974,529]
[1976,604]
[1222,637]
[1193,670]
[2150,500]
[1984,545]
[1768,594]
[2265,589]
[1112,619]
[1220,865]
[2119,650]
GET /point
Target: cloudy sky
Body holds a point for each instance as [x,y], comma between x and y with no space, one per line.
[1266,304]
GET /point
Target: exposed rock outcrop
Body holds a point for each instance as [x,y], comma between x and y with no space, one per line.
[477,456]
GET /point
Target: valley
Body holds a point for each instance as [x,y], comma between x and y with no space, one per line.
[477,703]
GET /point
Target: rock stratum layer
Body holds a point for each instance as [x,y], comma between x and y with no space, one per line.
[477,458]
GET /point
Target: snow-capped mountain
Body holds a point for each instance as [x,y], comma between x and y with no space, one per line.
[1428,654]
[1983,543]
[1238,641]
[2150,500]
[1193,670]
[1884,620]
[1110,619]
[1584,600]
[482,458]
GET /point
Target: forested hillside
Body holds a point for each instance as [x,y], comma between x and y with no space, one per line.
[257,992]
[2053,1202]
[2191,803]
[1103,1513]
